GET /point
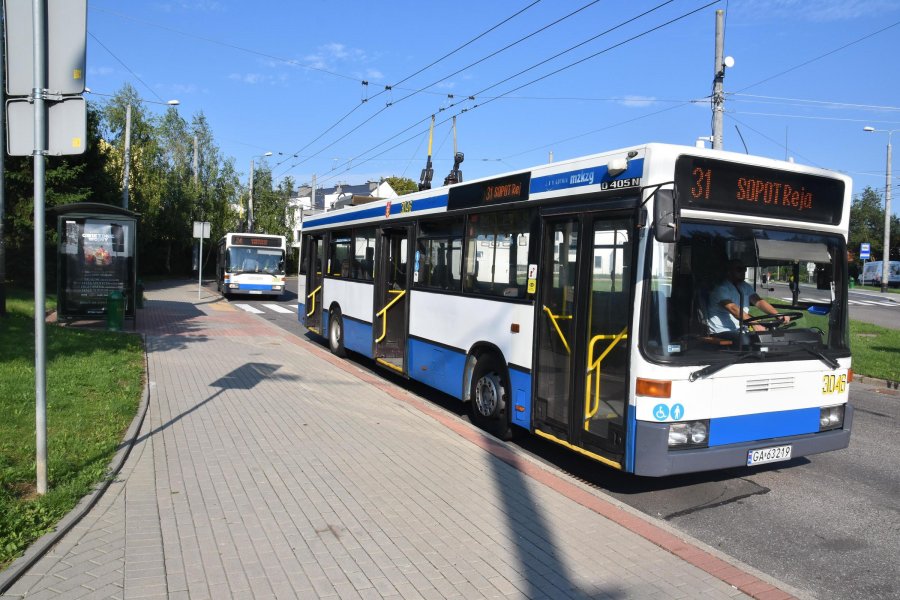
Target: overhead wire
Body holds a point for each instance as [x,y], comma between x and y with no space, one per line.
[434,83]
[395,85]
[121,62]
[568,66]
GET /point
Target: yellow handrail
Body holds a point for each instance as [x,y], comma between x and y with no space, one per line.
[383,312]
[591,408]
[312,296]
[553,319]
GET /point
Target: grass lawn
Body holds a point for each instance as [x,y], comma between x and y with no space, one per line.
[94,385]
[876,350]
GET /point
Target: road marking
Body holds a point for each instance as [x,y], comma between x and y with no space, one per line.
[279,309]
[250,309]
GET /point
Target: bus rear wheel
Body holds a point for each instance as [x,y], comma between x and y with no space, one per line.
[336,334]
[489,398]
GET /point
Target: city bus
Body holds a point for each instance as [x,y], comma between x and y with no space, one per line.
[250,263]
[574,300]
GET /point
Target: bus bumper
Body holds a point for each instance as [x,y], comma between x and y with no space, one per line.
[654,459]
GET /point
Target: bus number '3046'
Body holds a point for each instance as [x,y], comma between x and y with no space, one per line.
[834,384]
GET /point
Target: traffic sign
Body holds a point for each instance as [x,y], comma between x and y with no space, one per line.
[66,127]
[66,46]
[864,250]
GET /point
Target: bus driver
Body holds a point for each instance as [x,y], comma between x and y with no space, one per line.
[726,297]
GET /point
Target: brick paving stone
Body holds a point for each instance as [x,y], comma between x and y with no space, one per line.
[265,469]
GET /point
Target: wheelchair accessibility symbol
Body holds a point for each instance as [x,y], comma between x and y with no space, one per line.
[662,412]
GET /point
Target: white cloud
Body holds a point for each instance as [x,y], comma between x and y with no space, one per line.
[637,101]
[818,11]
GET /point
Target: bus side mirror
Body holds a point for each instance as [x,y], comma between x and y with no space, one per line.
[665,216]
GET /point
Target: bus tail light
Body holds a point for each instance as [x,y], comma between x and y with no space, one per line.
[849,375]
[689,434]
[653,388]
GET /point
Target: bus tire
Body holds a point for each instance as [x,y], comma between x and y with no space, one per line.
[336,334]
[489,397]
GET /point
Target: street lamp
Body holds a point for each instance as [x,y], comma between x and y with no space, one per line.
[886,255]
[250,202]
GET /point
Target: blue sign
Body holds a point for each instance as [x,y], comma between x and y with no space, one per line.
[864,250]
[677,412]
[660,412]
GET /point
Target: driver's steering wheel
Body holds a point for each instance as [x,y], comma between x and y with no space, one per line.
[774,321]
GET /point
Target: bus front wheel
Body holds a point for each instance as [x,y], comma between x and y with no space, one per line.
[489,398]
[336,334]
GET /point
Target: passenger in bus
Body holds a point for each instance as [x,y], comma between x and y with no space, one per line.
[731,300]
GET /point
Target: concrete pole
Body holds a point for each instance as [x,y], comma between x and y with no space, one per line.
[127,156]
[718,79]
[195,165]
[250,201]
[885,261]
[40,292]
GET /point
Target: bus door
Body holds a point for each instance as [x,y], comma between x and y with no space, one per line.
[313,257]
[581,364]
[389,324]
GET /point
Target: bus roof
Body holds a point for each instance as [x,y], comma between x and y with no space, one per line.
[634,168]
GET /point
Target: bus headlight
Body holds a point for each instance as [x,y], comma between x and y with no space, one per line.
[234,286]
[276,287]
[831,417]
[689,434]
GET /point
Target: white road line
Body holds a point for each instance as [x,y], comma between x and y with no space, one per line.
[279,309]
[250,309]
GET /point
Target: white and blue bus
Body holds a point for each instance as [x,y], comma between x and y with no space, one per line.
[250,263]
[573,300]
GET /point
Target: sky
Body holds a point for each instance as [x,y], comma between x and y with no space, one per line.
[345,89]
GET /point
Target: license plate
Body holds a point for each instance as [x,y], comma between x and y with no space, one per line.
[768,455]
[256,291]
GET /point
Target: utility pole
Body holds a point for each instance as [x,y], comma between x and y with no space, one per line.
[886,254]
[250,201]
[718,97]
[195,165]
[127,155]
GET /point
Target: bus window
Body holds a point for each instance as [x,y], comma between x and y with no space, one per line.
[497,253]
[439,255]
[364,253]
[339,254]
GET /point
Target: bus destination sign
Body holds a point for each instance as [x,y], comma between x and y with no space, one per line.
[255,240]
[485,193]
[710,184]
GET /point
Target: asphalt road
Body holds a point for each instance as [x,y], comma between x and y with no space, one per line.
[828,524]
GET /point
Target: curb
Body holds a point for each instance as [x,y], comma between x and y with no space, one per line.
[39,548]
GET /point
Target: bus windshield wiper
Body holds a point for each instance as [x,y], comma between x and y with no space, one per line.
[833,364]
[715,368]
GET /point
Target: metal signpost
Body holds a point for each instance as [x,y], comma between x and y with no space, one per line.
[864,253]
[201,230]
[46,43]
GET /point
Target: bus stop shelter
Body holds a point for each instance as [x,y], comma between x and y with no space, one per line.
[96,262]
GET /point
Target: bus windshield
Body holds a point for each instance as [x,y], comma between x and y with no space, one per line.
[789,282]
[255,260]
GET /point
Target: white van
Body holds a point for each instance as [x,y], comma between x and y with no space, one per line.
[871,274]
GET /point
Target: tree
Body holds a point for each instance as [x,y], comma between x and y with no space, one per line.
[867,225]
[403,185]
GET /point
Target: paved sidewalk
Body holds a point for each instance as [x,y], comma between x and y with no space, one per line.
[265,468]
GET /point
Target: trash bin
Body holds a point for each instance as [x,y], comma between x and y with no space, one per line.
[139,294]
[852,283]
[115,310]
